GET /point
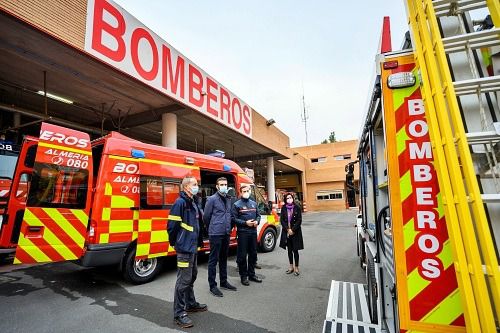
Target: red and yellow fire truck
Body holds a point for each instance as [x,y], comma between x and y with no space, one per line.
[105,202]
[428,227]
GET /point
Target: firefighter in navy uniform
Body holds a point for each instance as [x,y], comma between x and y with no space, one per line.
[185,235]
[246,217]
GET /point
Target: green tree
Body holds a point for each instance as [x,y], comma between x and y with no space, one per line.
[330,139]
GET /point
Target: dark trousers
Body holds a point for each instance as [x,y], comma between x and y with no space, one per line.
[219,247]
[187,270]
[291,254]
[247,247]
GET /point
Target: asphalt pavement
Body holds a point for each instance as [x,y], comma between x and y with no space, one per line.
[64,297]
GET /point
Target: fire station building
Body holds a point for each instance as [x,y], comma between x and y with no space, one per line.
[92,66]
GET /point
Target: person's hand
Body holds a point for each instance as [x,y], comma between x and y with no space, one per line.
[250,223]
[255,224]
[290,232]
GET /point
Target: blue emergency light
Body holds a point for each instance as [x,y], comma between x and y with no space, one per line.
[136,153]
[226,167]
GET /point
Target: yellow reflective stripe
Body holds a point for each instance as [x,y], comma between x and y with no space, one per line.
[108,189]
[142,250]
[49,145]
[65,225]
[154,161]
[81,216]
[156,255]
[446,311]
[401,138]
[416,283]
[106,214]
[159,236]
[121,226]
[104,239]
[174,218]
[58,245]
[187,227]
[409,233]
[182,264]
[405,186]
[145,225]
[119,201]
[32,250]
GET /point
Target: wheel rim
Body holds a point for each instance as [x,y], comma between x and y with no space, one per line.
[145,267]
[269,240]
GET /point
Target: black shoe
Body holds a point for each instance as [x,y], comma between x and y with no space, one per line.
[183,321]
[257,266]
[216,292]
[197,307]
[228,286]
[244,281]
[255,279]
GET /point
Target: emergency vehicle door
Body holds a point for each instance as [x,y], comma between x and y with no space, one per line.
[54,225]
[157,195]
[10,222]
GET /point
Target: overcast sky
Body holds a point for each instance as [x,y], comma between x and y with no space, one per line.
[267,52]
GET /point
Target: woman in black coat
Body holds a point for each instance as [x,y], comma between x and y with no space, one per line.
[291,232]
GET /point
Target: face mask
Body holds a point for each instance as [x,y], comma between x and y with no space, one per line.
[289,201]
[194,190]
[245,195]
[223,189]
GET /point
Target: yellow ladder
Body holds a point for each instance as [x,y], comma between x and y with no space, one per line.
[468,223]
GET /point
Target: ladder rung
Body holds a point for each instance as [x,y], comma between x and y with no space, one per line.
[490,198]
[483,38]
[471,86]
[442,7]
[484,137]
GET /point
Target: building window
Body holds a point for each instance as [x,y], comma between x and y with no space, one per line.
[342,157]
[330,195]
[318,159]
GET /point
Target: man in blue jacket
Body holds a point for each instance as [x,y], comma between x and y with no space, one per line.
[185,236]
[217,217]
[246,216]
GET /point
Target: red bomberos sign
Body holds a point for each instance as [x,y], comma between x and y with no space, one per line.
[119,39]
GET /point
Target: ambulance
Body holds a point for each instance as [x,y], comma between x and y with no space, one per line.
[429,223]
[106,201]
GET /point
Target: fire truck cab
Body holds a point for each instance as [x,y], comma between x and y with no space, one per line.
[106,202]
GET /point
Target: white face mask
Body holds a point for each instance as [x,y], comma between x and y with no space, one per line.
[245,195]
[222,189]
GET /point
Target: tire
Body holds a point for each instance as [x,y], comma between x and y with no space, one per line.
[140,271]
[361,253]
[372,290]
[268,240]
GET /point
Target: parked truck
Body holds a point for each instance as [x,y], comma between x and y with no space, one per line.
[427,230]
[105,202]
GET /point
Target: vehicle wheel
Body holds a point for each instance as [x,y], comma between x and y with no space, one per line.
[372,290]
[268,240]
[140,271]
[361,253]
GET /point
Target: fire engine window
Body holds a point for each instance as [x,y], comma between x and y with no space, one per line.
[58,186]
[158,192]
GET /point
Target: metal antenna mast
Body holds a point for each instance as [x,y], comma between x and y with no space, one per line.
[304,116]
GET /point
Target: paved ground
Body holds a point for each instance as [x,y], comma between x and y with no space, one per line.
[64,297]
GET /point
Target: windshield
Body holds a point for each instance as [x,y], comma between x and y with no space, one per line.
[7,166]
